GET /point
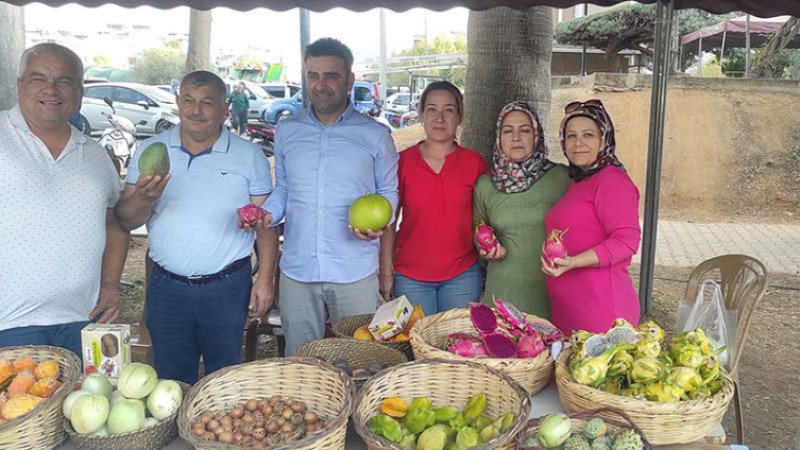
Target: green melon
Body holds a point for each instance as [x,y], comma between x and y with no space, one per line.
[154,160]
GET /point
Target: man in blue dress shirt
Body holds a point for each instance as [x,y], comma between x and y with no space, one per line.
[325,158]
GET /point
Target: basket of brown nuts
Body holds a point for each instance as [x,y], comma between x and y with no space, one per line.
[268,404]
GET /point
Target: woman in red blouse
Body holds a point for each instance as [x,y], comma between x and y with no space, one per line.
[435,261]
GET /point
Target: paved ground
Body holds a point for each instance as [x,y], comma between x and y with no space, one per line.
[685,244]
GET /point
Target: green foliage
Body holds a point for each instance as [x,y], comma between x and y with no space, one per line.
[786,64]
[158,65]
[101,61]
[441,44]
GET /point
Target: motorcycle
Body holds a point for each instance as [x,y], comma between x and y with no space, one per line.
[119,140]
[262,134]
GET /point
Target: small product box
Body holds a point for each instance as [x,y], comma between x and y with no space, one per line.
[106,348]
[390,318]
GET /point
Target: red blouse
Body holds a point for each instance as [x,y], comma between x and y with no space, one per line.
[434,240]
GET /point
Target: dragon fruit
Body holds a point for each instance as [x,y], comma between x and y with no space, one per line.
[466,345]
[553,246]
[484,236]
[483,318]
[499,345]
[529,346]
[249,214]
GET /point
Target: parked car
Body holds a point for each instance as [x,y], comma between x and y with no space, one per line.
[280,90]
[260,99]
[141,104]
[399,108]
[364,98]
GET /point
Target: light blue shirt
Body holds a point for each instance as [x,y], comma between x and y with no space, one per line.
[194,228]
[319,171]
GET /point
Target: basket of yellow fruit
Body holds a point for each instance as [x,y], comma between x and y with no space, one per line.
[357,327]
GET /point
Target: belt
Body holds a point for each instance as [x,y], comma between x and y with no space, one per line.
[196,280]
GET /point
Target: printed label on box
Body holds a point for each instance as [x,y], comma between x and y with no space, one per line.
[106,348]
[390,318]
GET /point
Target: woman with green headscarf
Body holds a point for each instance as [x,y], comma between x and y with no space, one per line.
[513,198]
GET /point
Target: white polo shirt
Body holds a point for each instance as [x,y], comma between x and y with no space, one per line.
[52,225]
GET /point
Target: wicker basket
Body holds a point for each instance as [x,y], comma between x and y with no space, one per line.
[445,382]
[358,354]
[345,328]
[151,438]
[663,423]
[429,334]
[324,388]
[41,428]
[579,420]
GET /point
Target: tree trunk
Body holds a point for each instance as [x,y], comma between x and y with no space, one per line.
[12,44]
[198,57]
[509,59]
[775,43]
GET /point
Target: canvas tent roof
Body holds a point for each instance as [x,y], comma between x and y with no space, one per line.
[759,8]
[734,31]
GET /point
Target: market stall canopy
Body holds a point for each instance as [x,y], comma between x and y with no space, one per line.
[761,8]
[734,31]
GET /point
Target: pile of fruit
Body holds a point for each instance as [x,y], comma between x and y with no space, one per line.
[24,384]
[357,373]
[261,423]
[635,362]
[363,334]
[555,431]
[502,332]
[421,426]
[141,400]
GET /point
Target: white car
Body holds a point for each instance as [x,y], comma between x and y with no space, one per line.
[141,104]
[281,90]
[259,98]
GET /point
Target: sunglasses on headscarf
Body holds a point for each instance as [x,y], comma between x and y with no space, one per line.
[575,106]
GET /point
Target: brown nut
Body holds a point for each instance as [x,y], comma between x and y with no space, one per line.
[248,418]
[206,416]
[226,437]
[251,405]
[298,407]
[266,409]
[287,413]
[259,433]
[310,417]
[237,411]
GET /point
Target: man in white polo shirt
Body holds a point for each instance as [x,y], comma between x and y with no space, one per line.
[200,286]
[61,247]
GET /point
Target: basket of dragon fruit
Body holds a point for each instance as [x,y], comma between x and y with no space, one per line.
[502,338]
[675,392]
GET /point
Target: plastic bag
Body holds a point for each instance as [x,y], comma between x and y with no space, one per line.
[710,313]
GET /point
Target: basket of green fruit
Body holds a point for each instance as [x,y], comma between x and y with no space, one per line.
[583,431]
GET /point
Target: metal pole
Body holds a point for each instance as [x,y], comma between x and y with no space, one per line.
[382,75]
[583,50]
[747,47]
[657,115]
[304,41]
[722,50]
[700,57]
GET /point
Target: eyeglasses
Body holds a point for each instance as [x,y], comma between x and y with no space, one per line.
[575,106]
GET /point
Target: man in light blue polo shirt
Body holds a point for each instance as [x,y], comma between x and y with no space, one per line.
[325,158]
[200,286]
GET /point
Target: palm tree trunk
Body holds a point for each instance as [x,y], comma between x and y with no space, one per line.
[509,59]
[12,44]
[199,54]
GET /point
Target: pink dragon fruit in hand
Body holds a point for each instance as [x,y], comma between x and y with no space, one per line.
[529,346]
[484,236]
[554,246]
[249,214]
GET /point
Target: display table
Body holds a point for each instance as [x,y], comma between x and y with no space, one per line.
[543,403]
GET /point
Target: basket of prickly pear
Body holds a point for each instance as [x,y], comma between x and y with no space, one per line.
[676,392]
[34,380]
[360,360]
[438,404]
[280,403]
[502,337]
[583,431]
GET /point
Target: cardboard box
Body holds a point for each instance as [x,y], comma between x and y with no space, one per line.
[390,318]
[106,348]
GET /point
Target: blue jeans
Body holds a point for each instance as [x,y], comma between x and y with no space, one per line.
[186,321]
[67,335]
[438,296]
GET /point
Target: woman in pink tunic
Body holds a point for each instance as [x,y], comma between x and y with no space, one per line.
[591,286]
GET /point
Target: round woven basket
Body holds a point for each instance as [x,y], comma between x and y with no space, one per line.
[325,389]
[662,423]
[151,438]
[445,382]
[358,354]
[429,334]
[41,428]
[345,328]
[579,420]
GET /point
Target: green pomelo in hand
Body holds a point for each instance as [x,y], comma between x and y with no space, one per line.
[154,160]
[370,212]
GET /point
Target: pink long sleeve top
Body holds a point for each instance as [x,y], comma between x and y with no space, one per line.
[601,213]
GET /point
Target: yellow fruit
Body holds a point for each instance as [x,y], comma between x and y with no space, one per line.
[416,314]
[24,363]
[6,369]
[45,387]
[363,334]
[402,337]
[394,407]
[47,369]
[19,406]
[23,381]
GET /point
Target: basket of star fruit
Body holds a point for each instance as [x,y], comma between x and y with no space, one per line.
[502,337]
[582,431]
[34,380]
[662,386]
